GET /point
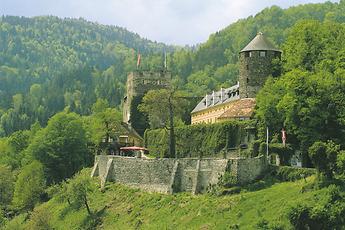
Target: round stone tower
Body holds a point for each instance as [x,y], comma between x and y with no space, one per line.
[256,65]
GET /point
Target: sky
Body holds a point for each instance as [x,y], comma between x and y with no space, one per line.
[178,22]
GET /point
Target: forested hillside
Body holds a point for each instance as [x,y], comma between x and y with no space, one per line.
[215,62]
[47,64]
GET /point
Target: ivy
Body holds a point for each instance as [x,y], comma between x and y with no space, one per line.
[202,140]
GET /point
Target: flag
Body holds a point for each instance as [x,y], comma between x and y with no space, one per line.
[138,61]
[283,136]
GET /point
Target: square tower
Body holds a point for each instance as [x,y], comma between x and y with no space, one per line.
[138,84]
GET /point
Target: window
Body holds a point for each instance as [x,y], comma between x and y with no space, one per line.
[247,80]
[247,54]
[262,53]
[247,67]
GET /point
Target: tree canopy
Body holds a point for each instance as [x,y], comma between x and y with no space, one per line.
[61,147]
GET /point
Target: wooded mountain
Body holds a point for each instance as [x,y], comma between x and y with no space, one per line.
[48,63]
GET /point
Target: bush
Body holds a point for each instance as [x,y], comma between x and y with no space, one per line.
[328,210]
[40,219]
[324,157]
[286,173]
[228,180]
[197,140]
[231,191]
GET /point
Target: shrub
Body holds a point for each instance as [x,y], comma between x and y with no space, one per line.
[324,156]
[328,210]
[40,219]
[286,173]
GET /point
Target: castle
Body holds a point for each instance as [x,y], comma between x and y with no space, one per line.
[238,101]
[168,175]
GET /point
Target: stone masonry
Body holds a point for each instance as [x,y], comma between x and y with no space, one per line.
[168,175]
[254,70]
[139,83]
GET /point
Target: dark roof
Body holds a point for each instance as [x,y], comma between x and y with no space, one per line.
[242,108]
[260,42]
[217,98]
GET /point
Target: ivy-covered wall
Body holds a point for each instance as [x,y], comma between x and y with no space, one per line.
[205,140]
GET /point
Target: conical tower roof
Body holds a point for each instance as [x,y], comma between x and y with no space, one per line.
[260,42]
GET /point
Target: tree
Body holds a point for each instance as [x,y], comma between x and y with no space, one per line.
[78,189]
[156,103]
[308,105]
[6,185]
[341,162]
[324,156]
[162,106]
[29,186]
[61,147]
[104,123]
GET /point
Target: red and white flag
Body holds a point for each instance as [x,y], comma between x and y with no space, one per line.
[284,136]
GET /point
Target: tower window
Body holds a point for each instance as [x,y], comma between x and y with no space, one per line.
[247,67]
[262,53]
[247,54]
[247,80]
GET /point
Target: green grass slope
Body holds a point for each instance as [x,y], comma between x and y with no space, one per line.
[120,207]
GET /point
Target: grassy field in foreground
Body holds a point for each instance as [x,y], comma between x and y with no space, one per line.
[120,207]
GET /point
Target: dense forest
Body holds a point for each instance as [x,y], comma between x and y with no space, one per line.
[48,64]
[62,82]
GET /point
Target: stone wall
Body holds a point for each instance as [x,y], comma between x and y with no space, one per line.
[139,83]
[250,168]
[174,175]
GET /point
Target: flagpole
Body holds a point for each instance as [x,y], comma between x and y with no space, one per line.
[138,60]
[267,142]
[165,61]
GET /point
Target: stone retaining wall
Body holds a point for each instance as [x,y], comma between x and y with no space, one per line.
[174,175]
